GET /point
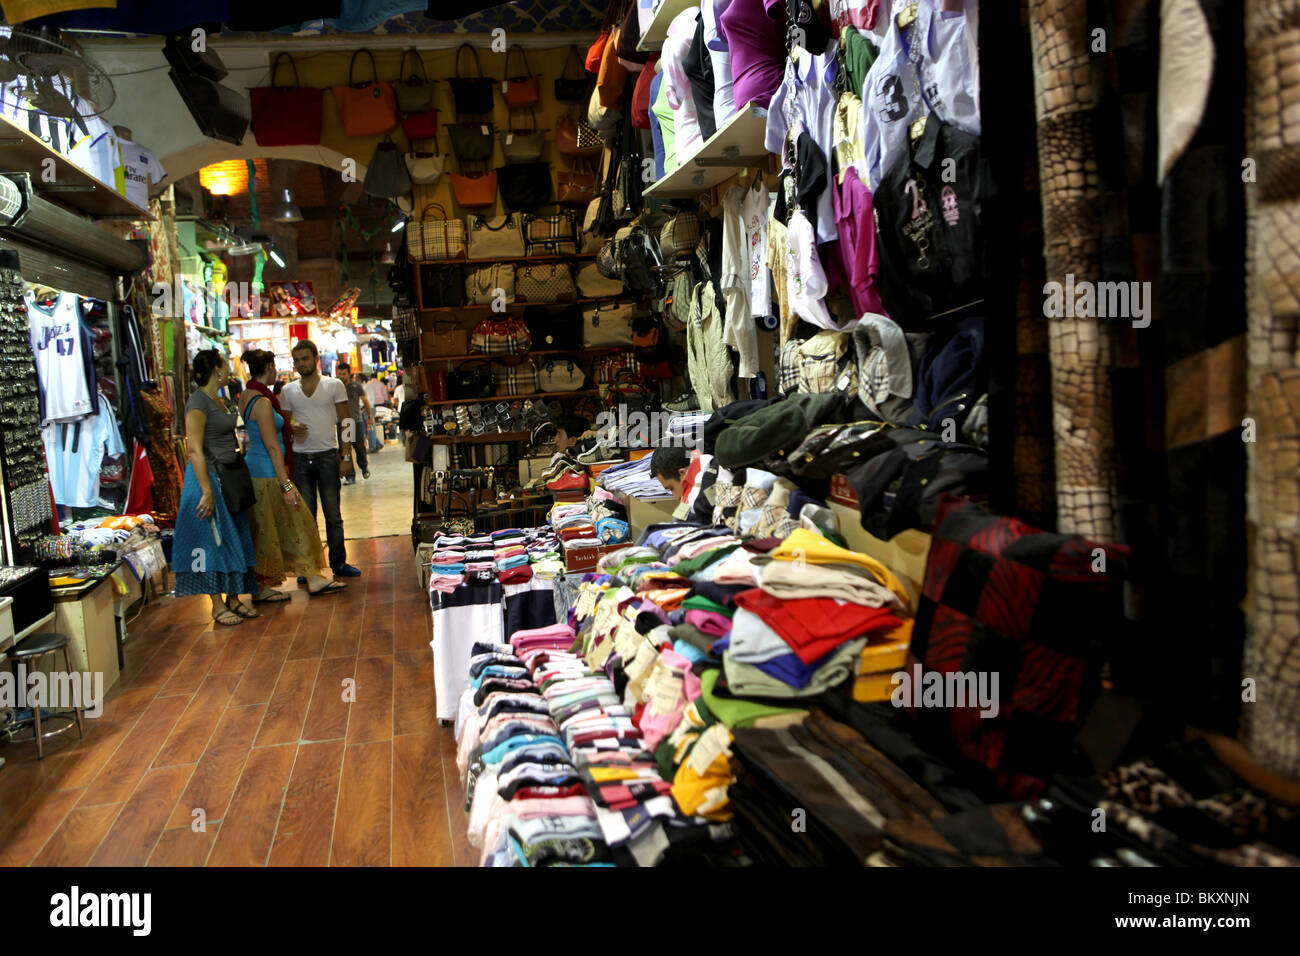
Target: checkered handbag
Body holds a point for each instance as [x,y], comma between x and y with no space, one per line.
[518,379]
[406,324]
[553,235]
[548,283]
[433,240]
[607,370]
[501,336]
[679,235]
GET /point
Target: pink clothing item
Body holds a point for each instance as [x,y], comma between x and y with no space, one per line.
[857,244]
[757,44]
[697,548]
[557,636]
[709,622]
[677,86]
[736,568]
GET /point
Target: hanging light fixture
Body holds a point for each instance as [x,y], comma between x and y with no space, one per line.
[274,254]
[389,257]
[288,210]
[399,223]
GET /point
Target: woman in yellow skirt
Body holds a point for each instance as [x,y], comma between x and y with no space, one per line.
[285,537]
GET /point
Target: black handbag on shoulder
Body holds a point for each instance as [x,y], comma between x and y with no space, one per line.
[236,482]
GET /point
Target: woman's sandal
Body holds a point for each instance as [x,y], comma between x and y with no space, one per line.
[242,610]
[330,588]
[223,618]
[272,597]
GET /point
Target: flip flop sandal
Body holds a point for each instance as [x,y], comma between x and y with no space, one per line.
[275,597]
[330,588]
[221,618]
[242,610]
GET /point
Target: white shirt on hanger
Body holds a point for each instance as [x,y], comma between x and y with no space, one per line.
[738,328]
[724,103]
[677,87]
[756,208]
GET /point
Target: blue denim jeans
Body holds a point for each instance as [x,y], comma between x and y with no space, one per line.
[319,472]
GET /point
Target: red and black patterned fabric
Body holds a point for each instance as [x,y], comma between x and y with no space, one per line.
[1001,597]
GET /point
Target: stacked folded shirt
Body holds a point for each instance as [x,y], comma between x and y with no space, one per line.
[633,479]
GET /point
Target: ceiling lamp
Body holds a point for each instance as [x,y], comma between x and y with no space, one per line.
[230,177]
[273,253]
[288,210]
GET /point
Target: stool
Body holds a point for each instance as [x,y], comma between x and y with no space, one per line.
[33,648]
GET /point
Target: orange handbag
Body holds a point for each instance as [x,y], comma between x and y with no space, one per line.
[522,90]
[366,109]
[595,52]
[475,189]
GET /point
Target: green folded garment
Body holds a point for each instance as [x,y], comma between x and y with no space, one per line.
[748,681]
[735,713]
[693,636]
[698,602]
[701,561]
[774,430]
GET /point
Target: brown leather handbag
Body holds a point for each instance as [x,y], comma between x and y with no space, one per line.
[576,187]
[575,137]
[520,90]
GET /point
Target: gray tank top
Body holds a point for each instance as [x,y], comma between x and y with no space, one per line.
[219,431]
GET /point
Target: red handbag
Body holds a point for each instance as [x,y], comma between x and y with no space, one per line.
[475,189]
[437,382]
[286,115]
[521,91]
[420,125]
[596,51]
[366,109]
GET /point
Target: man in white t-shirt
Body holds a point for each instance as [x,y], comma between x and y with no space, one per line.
[314,404]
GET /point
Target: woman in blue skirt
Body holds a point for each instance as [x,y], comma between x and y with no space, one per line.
[212,552]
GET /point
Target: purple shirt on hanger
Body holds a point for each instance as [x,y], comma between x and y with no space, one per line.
[857,241]
[757,45]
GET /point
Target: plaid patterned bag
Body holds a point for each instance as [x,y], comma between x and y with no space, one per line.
[605,371]
[553,235]
[507,335]
[679,235]
[432,240]
[518,379]
[406,325]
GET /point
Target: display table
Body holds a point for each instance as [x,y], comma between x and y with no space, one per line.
[87,614]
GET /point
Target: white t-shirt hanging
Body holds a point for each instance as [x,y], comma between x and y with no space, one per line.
[688,136]
[724,103]
[738,329]
[892,99]
[74,452]
[142,170]
[60,360]
[756,208]
[805,278]
[318,413]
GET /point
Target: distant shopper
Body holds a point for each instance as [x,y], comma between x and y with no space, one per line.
[376,390]
[212,550]
[359,408]
[316,403]
[285,535]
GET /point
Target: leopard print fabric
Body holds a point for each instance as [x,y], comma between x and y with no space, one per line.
[1271,724]
[1079,347]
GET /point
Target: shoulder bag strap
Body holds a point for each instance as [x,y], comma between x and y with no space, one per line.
[276,65]
[374,73]
[412,51]
[478,68]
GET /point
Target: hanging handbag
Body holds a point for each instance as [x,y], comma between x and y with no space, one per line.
[560,375]
[286,115]
[641,264]
[236,482]
[574,187]
[507,335]
[387,176]
[472,94]
[414,93]
[603,119]
[561,329]
[511,380]
[554,235]
[471,142]
[609,368]
[548,283]
[572,86]
[470,380]
[425,168]
[474,189]
[366,109]
[607,324]
[626,196]
[496,237]
[520,90]
[487,285]
[575,137]
[627,391]
[525,187]
[405,324]
[431,240]
[436,384]
[676,301]
[420,125]
[679,235]
[445,338]
[523,145]
[593,285]
[597,50]
[607,263]
[442,287]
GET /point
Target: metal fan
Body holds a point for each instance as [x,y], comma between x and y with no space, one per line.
[53,73]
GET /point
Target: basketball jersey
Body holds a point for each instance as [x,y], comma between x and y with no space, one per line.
[74,452]
[61,359]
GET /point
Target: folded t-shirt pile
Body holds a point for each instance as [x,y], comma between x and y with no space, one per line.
[633,479]
[573,525]
[526,802]
[610,516]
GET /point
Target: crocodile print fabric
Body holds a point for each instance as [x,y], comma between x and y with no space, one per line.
[1079,347]
[1271,724]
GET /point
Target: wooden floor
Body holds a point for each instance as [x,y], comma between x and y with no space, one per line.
[246,729]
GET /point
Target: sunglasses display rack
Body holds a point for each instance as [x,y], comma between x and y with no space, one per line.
[25,491]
